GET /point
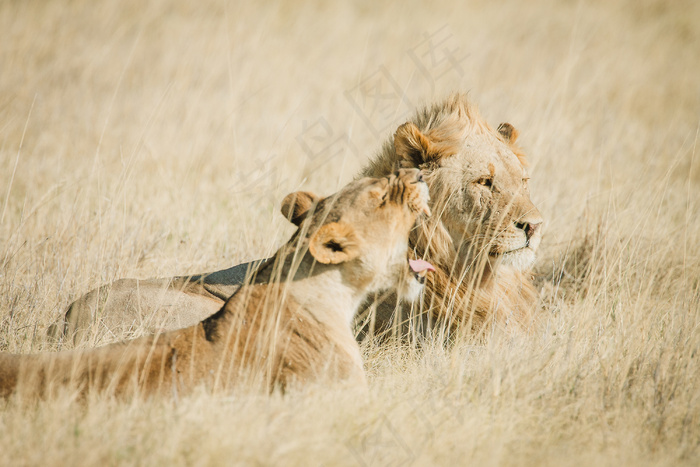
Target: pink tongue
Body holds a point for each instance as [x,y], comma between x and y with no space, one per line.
[419,265]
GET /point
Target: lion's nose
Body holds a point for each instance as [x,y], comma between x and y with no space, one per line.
[528,227]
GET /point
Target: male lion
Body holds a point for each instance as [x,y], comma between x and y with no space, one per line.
[482,238]
[485,231]
[290,325]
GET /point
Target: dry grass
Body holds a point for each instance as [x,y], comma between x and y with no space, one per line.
[150,141]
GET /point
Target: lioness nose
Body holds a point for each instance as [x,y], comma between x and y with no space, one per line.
[529,227]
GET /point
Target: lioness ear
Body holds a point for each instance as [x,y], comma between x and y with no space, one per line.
[334,243]
[411,145]
[508,132]
[295,206]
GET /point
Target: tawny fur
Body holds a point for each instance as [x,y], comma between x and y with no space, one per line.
[289,326]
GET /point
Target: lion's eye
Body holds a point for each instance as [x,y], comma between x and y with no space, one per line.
[486,181]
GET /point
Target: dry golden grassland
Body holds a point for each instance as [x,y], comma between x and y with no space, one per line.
[151,139]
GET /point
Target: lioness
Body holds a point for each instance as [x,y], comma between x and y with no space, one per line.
[482,239]
[290,325]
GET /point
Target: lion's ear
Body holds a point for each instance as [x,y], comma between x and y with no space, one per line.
[508,132]
[334,243]
[411,145]
[296,206]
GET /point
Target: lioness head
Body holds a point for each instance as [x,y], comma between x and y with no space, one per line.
[365,227]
